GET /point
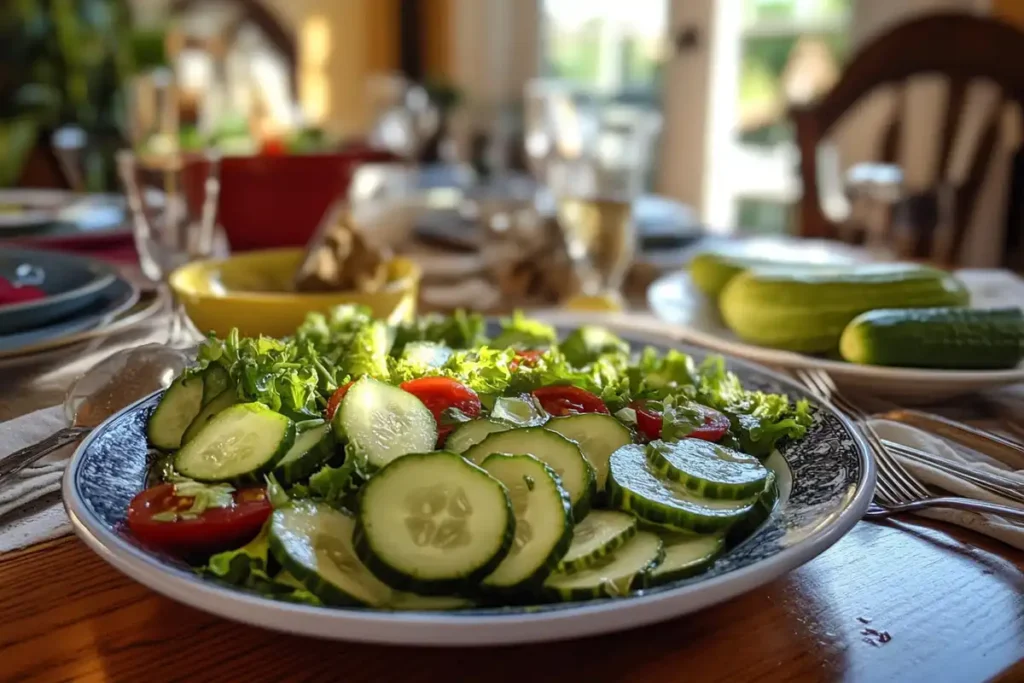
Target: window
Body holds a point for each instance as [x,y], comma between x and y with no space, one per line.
[792,51]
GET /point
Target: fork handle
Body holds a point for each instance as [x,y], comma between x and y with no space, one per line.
[880,512]
[19,460]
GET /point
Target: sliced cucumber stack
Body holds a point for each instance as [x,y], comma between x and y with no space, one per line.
[686,555]
[602,532]
[762,511]
[633,486]
[614,575]
[559,453]
[240,443]
[543,520]
[433,523]
[598,436]
[707,469]
[384,422]
[473,432]
[222,401]
[313,541]
[177,408]
[314,445]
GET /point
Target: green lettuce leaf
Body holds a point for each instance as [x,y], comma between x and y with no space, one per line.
[240,565]
[461,330]
[368,352]
[520,332]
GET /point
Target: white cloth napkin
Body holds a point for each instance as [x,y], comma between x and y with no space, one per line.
[1007,531]
[30,503]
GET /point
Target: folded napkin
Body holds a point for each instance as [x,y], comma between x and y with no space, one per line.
[30,503]
[1007,531]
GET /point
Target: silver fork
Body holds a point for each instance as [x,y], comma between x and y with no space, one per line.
[896,490]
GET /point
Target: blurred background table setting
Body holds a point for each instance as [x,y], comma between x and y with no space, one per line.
[765,181]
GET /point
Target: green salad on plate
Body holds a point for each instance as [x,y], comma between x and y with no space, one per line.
[432,466]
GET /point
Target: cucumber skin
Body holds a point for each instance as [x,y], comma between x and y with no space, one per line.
[215,381]
[662,466]
[326,591]
[293,472]
[193,384]
[554,423]
[590,560]
[464,585]
[621,498]
[557,551]
[807,311]
[944,338]
[761,511]
[711,272]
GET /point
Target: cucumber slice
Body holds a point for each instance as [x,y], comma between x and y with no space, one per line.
[426,603]
[222,401]
[384,422]
[313,541]
[177,408]
[215,381]
[543,517]
[686,555]
[602,532]
[471,433]
[614,575]
[707,469]
[314,445]
[559,453]
[433,523]
[762,510]
[634,487]
[598,436]
[240,443]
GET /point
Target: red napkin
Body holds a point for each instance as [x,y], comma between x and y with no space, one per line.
[11,293]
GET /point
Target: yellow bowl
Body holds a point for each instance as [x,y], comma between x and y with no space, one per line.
[254,292]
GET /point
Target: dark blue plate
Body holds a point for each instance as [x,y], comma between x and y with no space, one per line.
[115,299]
[71,283]
[826,480]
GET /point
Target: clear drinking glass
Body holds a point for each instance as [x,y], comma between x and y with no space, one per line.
[598,165]
[172,197]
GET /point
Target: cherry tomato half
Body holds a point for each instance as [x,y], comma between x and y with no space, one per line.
[212,530]
[648,422]
[566,400]
[525,358]
[440,393]
[335,400]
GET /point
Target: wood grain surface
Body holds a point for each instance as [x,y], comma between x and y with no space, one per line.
[894,602]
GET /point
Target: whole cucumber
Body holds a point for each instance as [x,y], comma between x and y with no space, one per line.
[806,310]
[947,338]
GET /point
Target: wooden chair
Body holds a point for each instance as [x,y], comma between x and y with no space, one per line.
[961,47]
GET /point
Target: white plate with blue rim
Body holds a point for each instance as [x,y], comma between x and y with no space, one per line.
[825,483]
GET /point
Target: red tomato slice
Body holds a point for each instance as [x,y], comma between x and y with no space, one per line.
[213,530]
[335,401]
[566,400]
[440,393]
[648,422]
[525,358]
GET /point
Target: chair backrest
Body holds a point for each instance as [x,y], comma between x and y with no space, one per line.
[963,48]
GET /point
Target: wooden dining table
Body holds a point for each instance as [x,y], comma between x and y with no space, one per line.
[903,601]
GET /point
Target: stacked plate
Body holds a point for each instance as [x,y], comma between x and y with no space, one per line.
[51,301]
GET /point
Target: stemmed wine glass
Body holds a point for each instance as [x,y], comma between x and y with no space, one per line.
[172,197]
[599,160]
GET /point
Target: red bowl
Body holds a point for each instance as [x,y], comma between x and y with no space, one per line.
[277,201]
